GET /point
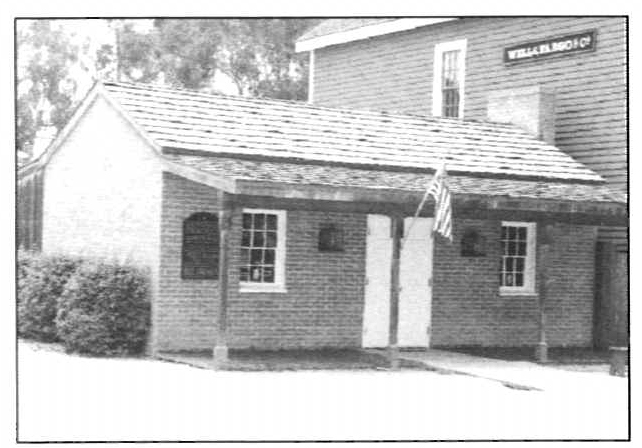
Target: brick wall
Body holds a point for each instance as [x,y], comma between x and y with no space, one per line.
[472,312]
[185,310]
[323,305]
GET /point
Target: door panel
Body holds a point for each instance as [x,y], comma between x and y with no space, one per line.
[376,312]
[415,281]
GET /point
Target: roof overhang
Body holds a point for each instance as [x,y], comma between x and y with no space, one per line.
[255,193]
[367,31]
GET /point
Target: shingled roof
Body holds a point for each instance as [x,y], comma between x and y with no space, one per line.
[285,131]
[331,26]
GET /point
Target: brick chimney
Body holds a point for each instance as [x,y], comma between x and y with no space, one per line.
[529,108]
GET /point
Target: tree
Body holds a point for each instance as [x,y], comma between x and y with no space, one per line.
[256,54]
[46,89]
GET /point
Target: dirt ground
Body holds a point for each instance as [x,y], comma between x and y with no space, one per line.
[73,398]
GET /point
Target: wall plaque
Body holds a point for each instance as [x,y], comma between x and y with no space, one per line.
[572,43]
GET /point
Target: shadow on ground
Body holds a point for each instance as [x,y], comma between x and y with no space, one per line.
[284,360]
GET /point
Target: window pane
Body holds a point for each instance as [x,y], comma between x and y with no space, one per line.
[245,239]
[519,279]
[519,265]
[271,222]
[509,264]
[255,274]
[245,273]
[512,248]
[521,233]
[521,248]
[268,274]
[256,256]
[247,220]
[259,239]
[509,279]
[512,233]
[270,239]
[245,256]
[269,256]
[504,233]
[259,221]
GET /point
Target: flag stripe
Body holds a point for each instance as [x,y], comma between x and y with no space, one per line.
[443,211]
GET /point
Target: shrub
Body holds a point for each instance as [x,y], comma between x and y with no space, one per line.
[104,310]
[24,260]
[41,280]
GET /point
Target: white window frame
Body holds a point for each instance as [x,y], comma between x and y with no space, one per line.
[437,98]
[529,262]
[279,256]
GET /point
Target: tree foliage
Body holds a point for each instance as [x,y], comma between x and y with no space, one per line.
[45,57]
[256,55]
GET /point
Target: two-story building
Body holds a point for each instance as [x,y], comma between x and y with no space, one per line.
[563,79]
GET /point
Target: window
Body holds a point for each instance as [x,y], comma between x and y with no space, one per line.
[262,250]
[200,247]
[517,268]
[448,79]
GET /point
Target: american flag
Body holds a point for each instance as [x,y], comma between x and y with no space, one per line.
[438,189]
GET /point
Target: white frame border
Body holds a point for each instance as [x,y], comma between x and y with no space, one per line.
[437,98]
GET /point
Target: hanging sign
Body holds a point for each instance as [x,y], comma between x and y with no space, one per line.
[573,43]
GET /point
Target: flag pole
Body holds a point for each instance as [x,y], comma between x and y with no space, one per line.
[423,202]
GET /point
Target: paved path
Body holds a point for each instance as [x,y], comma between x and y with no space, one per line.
[518,374]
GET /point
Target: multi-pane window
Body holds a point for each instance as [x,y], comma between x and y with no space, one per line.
[448,79]
[518,257]
[262,247]
[450,83]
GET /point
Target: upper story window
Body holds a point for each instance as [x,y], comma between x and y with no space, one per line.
[517,268]
[262,266]
[448,79]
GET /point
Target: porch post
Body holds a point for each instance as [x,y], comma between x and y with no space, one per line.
[225,224]
[397,231]
[541,351]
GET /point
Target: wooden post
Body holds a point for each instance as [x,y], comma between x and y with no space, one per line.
[225,224]
[397,231]
[541,351]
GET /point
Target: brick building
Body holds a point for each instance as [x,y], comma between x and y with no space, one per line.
[273,224]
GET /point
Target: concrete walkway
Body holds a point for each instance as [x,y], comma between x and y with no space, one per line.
[516,374]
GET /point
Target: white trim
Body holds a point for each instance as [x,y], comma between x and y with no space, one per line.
[367,31]
[311,78]
[530,262]
[279,262]
[437,99]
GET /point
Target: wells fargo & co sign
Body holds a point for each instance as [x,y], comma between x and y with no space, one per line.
[529,51]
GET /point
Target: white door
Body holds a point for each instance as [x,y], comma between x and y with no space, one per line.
[376,311]
[415,273]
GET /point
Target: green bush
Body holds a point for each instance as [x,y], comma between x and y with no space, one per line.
[104,310]
[41,280]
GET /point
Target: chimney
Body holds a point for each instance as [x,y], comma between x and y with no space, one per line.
[530,108]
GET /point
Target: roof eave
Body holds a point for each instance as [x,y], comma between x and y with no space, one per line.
[367,31]
[587,212]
